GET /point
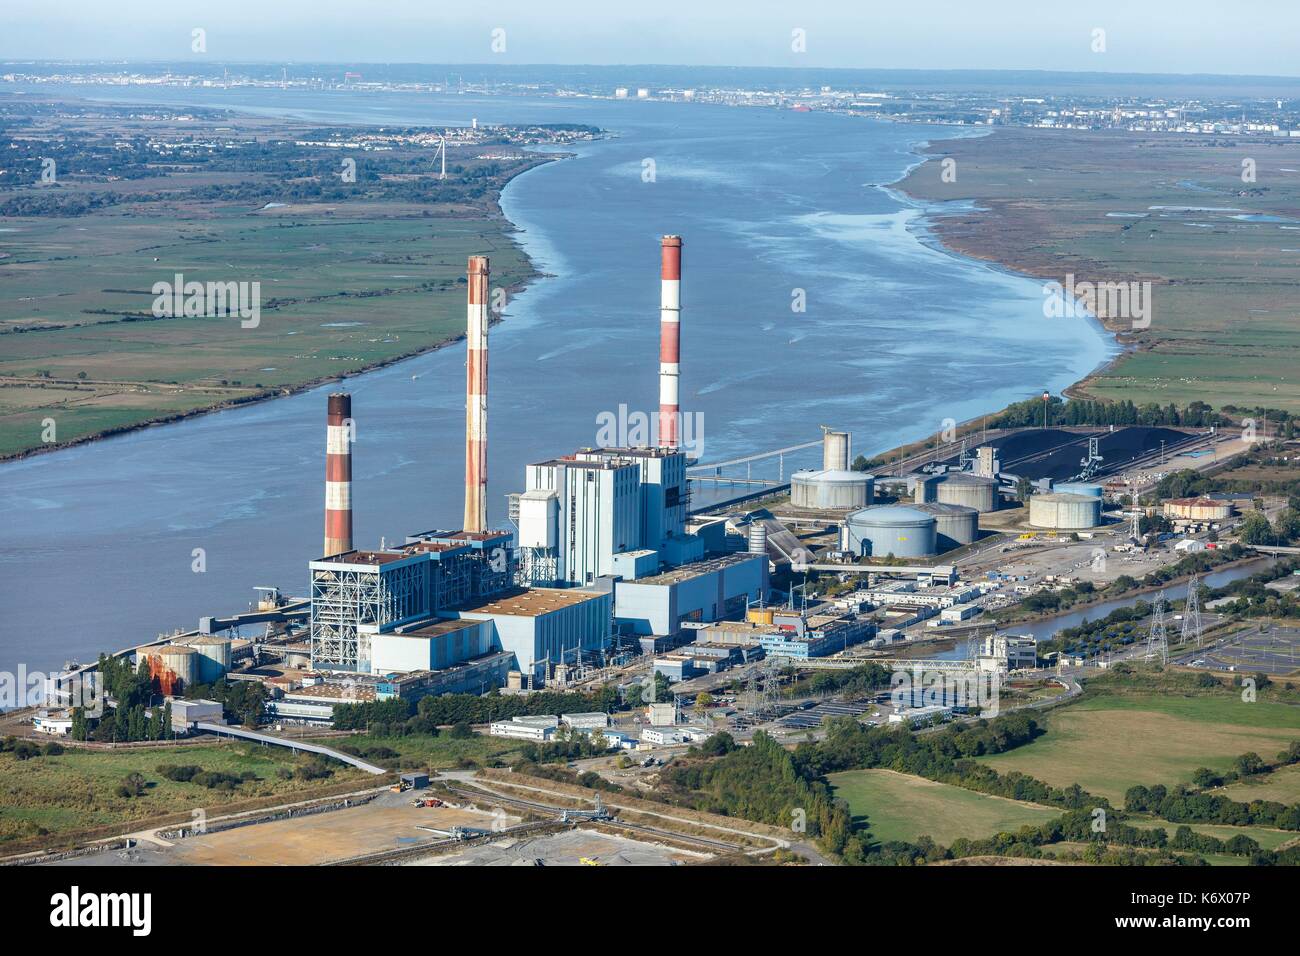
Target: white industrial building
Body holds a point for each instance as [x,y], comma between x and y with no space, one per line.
[603,511]
[544,626]
[702,591]
[429,646]
[585,722]
[1012,652]
[536,729]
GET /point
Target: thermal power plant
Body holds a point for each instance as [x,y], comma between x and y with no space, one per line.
[963,488]
[338,474]
[670,339]
[1078,488]
[900,530]
[1064,512]
[476,397]
[836,449]
[955,525]
[834,489]
[214,657]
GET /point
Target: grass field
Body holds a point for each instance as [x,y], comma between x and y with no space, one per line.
[438,753]
[1109,743]
[1282,785]
[1121,207]
[76,790]
[903,807]
[339,293]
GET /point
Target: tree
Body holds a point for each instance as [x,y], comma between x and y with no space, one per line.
[1255,529]
[703,701]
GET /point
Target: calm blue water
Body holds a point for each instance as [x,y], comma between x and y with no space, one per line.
[96,542]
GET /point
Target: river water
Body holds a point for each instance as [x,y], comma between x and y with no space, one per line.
[96,542]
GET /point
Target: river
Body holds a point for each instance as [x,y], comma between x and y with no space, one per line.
[96,542]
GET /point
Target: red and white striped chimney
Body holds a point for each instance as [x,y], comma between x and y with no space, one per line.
[670,326]
[338,475]
[476,387]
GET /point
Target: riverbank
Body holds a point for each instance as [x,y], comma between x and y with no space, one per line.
[1212,256]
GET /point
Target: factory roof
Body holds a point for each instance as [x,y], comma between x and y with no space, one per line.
[640,451]
[367,557]
[697,568]
[430,628]
[531,602]
[595,464]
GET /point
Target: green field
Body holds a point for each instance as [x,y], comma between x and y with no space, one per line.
[436,753]
[903,807]
[339,293]
[76,790]
[1110,742]
[1056,202]
[1282,786]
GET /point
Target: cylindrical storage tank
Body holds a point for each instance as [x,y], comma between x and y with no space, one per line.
[835,451]
[831,489]
[1078,488]
[924,489]
[954,525]
[973,491]
[899,530]
[175,667]
[1197,509]
[1062,512]
[757,538]
[214,658]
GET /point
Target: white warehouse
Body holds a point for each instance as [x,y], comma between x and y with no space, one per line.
[703,591]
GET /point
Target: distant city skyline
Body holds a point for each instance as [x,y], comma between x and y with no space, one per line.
[1159,36]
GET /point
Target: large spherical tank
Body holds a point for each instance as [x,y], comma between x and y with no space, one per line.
[973,491]
[177,664]
[955,525]
[1078,488]
[831,489]
[1062,512]
[835,451]
[214,658]
[899,530]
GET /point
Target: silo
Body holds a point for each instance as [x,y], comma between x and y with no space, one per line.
[175,667]
[955,525]
[831,489]
[899,530]
[1062,512]
[758,538]
[835,451]
[962,488]
[1078,488]
[214,658]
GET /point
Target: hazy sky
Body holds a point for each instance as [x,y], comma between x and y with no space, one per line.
[1142,36]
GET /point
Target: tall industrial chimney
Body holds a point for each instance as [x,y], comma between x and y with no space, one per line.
[476,397]
[338,474]
[670,326]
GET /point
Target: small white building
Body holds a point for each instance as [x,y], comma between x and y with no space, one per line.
[537,729]
[662,714]
[589,721]
[921,716]
[186,713]
[56,723]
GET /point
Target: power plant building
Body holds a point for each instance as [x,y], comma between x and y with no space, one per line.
[703,591]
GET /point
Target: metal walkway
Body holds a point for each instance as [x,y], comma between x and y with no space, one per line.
[294,745]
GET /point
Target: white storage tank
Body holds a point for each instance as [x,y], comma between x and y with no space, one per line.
[835,451]
[900,530]
[963,488]
[1062,512]
[214,658]
[955,525]
[831,489]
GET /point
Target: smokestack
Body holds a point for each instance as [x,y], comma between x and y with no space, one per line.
[338,475]
[476,398]
[670,326]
